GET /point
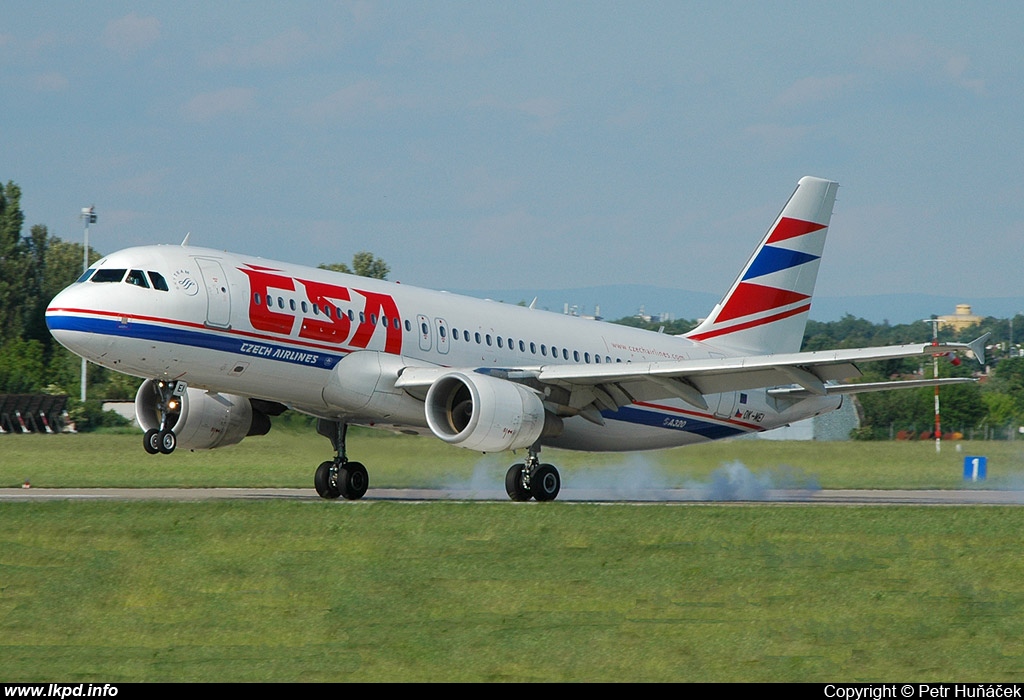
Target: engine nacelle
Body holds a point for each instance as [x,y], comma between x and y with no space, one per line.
[487,414]
[206,420]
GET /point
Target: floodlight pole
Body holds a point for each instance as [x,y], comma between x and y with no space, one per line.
[89,216]
[935,375]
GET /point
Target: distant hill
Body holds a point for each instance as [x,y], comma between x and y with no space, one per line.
[618,301]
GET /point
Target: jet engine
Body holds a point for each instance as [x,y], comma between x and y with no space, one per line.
[201,420]
[487,414]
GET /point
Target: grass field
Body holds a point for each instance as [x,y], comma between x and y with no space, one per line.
[385,591]
[287,459]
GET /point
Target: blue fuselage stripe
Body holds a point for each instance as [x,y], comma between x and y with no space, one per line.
[198,339]
[697,426]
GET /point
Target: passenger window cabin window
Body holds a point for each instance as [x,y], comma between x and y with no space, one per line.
[543,349]
[257,299]
[305,307]
[408,326]
[291,303]
[533,348]
[576,355]
[522,346]
[159,283]
[477,338]
[565,354]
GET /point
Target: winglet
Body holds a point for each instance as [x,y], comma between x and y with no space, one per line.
[978,347]
[184,243]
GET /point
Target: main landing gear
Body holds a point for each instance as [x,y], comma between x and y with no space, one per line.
[339,477]
[532,480]
[163,440]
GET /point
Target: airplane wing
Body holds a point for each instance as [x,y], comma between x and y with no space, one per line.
[608,386]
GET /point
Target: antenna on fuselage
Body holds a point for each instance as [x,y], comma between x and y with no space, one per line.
[184,243]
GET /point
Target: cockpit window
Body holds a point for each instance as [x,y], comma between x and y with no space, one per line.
[138,278]
[86,274]
[109,275]
[159,283]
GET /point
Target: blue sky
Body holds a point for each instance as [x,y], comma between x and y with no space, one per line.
[493,145]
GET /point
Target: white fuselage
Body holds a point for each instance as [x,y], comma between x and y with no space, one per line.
[275,331]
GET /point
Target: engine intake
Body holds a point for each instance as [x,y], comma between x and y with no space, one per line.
[206,420]
[487,414]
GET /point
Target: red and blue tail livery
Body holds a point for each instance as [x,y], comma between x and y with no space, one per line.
[771,298]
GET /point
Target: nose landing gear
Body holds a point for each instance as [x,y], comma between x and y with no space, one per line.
[163,440]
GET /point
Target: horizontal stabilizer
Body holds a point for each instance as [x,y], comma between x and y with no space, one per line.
[864,387]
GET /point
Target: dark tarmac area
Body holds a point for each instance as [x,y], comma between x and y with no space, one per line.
[951,497]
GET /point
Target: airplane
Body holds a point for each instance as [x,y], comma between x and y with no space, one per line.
[225,341]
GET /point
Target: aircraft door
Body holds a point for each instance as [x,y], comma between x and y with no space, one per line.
[726,404]
[423,323]
[441,326]
[218,295]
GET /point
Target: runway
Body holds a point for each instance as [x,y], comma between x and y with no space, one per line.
[951,497]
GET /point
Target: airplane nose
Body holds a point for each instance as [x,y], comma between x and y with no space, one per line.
[58,304]
[61,320]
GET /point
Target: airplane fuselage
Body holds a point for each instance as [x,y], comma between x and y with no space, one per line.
[276,331]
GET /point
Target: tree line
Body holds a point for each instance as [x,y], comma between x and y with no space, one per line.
[34,267]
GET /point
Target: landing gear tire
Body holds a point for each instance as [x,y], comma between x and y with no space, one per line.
[167,441]
[545,483]
[326,487]
[514,486]
[339,477]
[353,480]
[151,441]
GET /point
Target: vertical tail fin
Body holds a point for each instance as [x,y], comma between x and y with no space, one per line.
[765,310]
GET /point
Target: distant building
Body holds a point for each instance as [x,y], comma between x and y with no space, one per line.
[833,426]
[126,409]
[963,318]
